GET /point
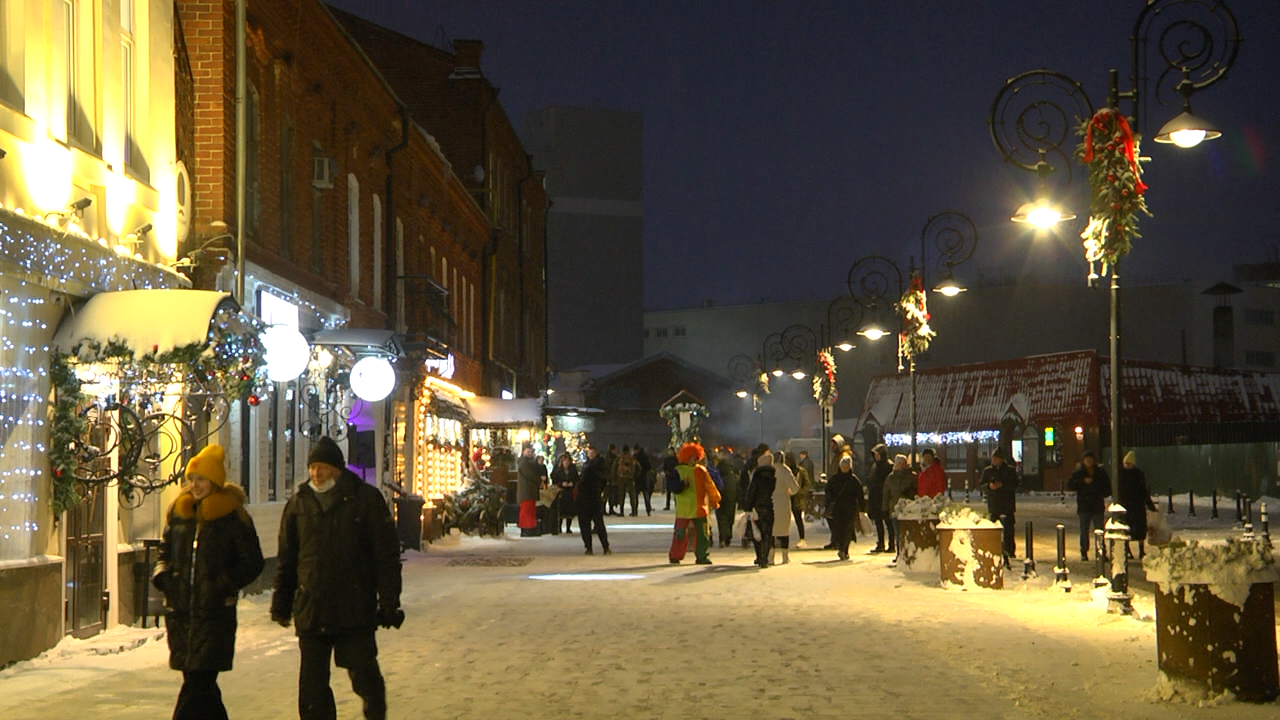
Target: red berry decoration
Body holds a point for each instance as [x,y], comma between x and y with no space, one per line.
[254,400]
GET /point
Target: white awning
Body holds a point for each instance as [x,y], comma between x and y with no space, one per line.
[145,321]
[356,339]
[496,411]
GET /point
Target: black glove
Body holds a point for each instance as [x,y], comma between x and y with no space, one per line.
[160,581]
[390,617]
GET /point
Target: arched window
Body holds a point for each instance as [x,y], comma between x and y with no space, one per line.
[377,252]
[353,233]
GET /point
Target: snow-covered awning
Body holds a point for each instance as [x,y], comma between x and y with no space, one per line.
[146,321]
[496,411]
[361,339]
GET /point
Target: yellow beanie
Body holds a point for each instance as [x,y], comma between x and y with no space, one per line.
[209,463]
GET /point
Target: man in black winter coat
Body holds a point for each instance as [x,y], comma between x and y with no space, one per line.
[759,503]
[1092,486]
[592,485]
[1000,482]
[338,580]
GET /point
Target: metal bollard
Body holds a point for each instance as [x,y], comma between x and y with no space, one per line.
[1239,508]
[1214,515]
[949,498]
[1029,559]
[1191,503]
[1061,574]
[966,488]
[1266,527]
[1171,501]
[1102,578]
[1248,519]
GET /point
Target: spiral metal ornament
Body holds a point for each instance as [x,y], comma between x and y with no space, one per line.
[742,371]
[790,350]
[844,318]
[1034,118]
[875,281]
[1198,38]
[952,235]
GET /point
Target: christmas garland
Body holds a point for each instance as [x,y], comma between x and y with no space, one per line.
[824,381]
[231,358]
[671,413]
[1110,152]
[916,334]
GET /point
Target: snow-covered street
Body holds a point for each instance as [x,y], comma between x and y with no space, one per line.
[531,628]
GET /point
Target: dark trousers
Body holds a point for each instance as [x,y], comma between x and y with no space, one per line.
[628,490]
[841,528]
[724,524]
[199,698]
[646,492]
[764,529]
[881,531]
[357,651]
[797,512]
[587,515]
[1086,534]
[1010,527]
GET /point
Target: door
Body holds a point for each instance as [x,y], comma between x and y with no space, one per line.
[86,603]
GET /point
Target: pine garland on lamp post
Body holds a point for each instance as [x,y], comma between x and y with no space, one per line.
[824,381]
[1110,153]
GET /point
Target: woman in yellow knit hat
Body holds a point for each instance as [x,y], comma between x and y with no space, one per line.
[210,552]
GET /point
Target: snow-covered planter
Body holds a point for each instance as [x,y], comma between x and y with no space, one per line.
[918,534]
[1215,616]
[970,549]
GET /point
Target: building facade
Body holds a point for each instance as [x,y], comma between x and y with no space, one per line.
[595,232]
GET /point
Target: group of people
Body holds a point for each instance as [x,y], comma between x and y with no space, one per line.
[338,580]
[627,474]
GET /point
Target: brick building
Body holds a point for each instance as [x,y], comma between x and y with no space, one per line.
[356,230]
[448,93]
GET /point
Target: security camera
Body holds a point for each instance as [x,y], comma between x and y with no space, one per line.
[81,204]
[143,230]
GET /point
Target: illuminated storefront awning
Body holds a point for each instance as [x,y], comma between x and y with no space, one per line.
[496,412]
[145,321]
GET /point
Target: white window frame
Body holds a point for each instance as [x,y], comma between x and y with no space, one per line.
[353,234]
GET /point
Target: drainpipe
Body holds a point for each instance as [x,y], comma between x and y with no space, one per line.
[241,163]
[389,222]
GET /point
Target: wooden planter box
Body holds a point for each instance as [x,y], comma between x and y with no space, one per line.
[972,557]
[918,545]
[1203,638]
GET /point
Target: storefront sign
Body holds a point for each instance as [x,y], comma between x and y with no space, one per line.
[444,367]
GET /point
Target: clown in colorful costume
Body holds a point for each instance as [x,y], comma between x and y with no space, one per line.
[693,504]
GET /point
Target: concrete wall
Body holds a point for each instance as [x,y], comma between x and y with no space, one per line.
[30,609]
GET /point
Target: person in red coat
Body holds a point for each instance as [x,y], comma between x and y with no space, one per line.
[932,481]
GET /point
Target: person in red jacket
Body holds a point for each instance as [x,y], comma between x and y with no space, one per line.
[932,481]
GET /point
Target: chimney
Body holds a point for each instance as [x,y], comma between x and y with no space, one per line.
[468,53]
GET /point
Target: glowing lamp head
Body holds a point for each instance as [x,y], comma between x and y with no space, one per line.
[799,374]
[873,333]
[1187,130]
[1041,214]
[846,347]
[777,372]
[741,393]
[287,352]
[373,379]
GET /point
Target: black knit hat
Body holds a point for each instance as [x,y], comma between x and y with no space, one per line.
[327,451]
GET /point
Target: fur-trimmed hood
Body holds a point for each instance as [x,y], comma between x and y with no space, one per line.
[221,502]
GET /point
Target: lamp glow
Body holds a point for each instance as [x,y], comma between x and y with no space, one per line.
[799,374]
[1187,130]
[287,352]
[373,379]
[872,333]
[777,372]
[846,347]
[741,393]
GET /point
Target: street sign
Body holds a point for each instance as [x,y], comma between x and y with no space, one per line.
[828,414]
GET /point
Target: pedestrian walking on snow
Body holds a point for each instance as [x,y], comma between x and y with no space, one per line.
[592,485]
[844,500]
[565,477]
[1000,482]
[338,580]
[880,469]
[201,587]
[698,498]
[804,483]
[1135,496]
[783,490]
[758,503]
[1092,486]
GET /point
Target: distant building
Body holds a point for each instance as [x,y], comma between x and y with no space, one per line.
[595,278]
[1186,323]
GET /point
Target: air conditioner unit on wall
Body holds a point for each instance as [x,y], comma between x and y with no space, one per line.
[322,172]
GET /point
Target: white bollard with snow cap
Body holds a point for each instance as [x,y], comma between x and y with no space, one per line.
[1119,599]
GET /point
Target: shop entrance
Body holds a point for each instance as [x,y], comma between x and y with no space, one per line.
[86,603]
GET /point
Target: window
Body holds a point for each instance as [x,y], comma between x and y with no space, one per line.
[353,234]
[471,303]
[253,163]
[646,333]
[286,188]
[128,88]
[377,252]
[12,63]
[1260,358]
[660,332]
[1259,316]
[401,325]
[677,331]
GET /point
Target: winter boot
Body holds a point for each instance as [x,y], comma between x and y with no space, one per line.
[772,552]
[786,557]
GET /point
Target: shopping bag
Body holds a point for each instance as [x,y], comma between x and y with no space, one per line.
[1158,530]
[740,525]
[864,524]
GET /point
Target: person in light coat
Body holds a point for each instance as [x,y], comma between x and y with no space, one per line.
[786,486]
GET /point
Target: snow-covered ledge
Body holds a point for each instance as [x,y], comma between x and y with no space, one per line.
[31,561]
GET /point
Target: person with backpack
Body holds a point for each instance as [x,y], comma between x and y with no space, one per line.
[625,470]
[696,497]
[644,483]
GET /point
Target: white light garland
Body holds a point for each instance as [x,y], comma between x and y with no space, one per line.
[946,438]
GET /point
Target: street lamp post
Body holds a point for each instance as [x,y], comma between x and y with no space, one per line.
[1197,41]
[844,317]
[876,281]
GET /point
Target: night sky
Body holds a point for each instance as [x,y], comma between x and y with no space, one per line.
[784,140]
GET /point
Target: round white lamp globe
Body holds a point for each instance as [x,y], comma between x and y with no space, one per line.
[372,379]
[287,352]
